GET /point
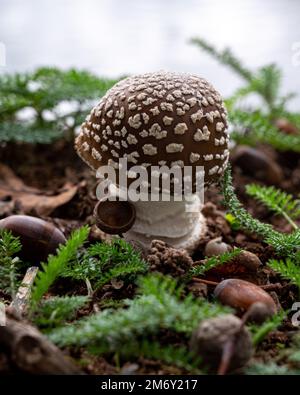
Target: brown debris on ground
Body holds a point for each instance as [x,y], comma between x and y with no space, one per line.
[52,183]
[168,260]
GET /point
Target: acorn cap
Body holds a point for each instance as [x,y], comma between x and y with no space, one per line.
[114,217]
[158,119]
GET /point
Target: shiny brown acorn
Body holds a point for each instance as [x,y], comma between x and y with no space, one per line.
[38,237]
[241,295]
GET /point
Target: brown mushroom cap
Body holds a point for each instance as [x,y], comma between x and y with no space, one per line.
[158,119]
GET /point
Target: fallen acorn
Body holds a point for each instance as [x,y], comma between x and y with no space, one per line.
[216,247]
[257,163]
[39,238]
[244,263]
[241,295]
[209,341]
[249,260]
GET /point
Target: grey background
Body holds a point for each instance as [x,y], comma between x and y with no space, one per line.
[117,37]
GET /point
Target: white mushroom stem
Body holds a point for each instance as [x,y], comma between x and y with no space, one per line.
[180,224]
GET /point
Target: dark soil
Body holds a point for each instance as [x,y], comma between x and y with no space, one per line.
[49,168]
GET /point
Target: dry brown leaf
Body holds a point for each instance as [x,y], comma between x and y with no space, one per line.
[29,198]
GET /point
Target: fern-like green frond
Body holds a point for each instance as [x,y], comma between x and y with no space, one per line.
[103,262]
[271,369]
[55,311]
[251,128]
[285,244]
[159,306]
[28,132]
[214,261]
[259,332]
[265,82]
[288,269]
[244,219]
[45,92]
[57,263]
[9,276]
[277,201]
[225,57]
[122,271]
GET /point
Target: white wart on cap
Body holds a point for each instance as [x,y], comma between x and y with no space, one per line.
[158,118]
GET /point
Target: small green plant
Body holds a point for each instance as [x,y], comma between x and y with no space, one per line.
[57,310]
[285,205]
[58,263]
[293,352]
[251,128]
[284,244]
[159,306]
[242,217]
[287,245]
[271,369]
[57,101]
[225,57]
[9,276]
[277,201]
[286,363]
[266,81]
[251,125]
[214,261]
[288,268]
[169,354]
[232,221]
[259,332]
[102,262]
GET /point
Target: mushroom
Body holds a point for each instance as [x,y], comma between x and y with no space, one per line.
[160,119]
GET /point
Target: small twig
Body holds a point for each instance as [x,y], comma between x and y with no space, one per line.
[289,220]
[229,346]
[91,295]
[21,300]
[226,356]
[271,287]
[89,288]
[202,281]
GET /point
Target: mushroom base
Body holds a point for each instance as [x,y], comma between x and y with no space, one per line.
[179,224]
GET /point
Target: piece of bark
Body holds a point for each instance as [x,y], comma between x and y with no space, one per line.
[21,301]
[31,352]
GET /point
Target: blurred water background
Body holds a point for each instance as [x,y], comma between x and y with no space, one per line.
[118,37]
